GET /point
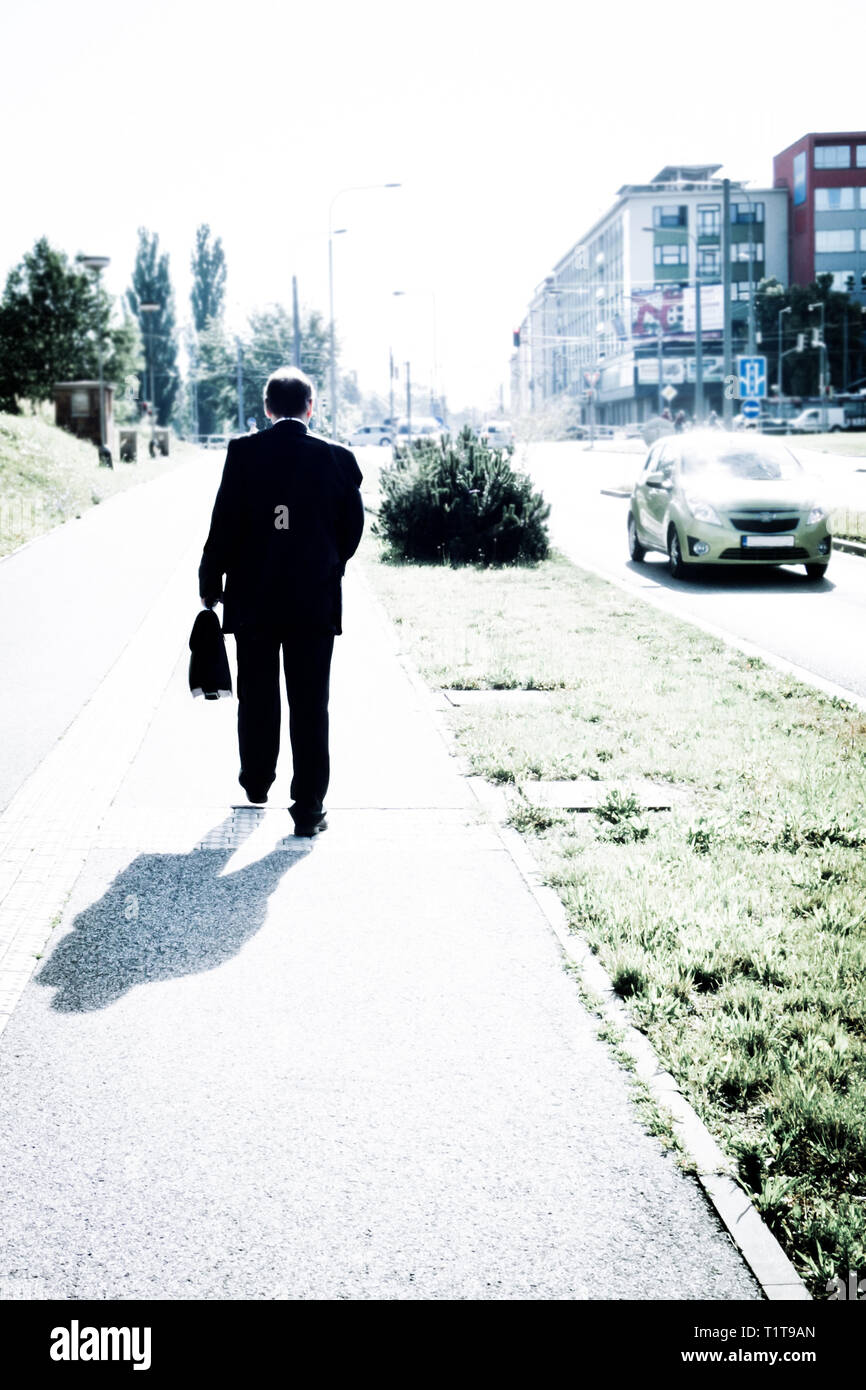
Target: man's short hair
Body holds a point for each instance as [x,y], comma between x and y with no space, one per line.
[288,392]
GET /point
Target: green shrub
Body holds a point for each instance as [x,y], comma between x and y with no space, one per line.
[461,502]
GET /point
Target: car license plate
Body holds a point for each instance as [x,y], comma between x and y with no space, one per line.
[770,541]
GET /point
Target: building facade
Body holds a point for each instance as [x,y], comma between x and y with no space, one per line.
[622,300]
[824,176]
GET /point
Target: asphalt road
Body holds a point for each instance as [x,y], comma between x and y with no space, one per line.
[819,627]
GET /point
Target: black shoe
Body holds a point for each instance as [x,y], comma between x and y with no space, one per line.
[256,797]
[310,828]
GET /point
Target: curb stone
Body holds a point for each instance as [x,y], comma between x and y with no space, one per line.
[763,1254]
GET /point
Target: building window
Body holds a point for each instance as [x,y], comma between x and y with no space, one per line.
[861,156]
[709,262]
[670,215]
[835,199]
[843,281]
[747,251]
[741,289]
[834,240]
[863,238]
[832,156]
[800,177]
[671,254]
[747,212]
[709,220]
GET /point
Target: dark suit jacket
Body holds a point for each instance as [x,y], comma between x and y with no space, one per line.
[287,517]
[209,673]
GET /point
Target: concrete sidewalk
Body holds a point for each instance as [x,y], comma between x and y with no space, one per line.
[252,1067]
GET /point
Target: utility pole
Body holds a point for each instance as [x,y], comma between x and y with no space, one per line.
[193,382]
[391,390]
[822,365]
[240,385]
[779,382]
[727,403]
[660,347]
[699,345]
[297,321]
[149,310]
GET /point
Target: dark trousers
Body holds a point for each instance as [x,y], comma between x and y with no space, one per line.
[307,667]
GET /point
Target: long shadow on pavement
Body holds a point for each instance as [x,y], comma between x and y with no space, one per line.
[165,916]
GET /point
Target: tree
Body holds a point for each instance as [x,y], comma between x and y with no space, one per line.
[52,317]
[208,265]
[268,344]
[843,334]
[208,352]
[151,284]
[212,368]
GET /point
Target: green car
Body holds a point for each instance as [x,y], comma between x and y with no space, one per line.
[713,498]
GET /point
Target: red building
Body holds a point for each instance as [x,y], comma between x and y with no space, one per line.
[825,175]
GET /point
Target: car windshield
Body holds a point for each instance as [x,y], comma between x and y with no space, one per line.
[744,460]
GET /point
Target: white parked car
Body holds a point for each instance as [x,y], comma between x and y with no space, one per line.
[378,435]
[499,434]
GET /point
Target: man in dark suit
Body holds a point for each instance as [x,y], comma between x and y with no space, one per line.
[288,516]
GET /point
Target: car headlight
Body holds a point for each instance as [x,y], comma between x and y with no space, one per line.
[702,511]
[816,514]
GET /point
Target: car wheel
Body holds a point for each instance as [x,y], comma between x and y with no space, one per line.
[835,429]
[676,564]
[635,549]
[816,572]
[384,441]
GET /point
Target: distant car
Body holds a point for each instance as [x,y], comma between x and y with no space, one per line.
[775,424]
[708,498]
[379,435]
[831,418]
[423,427]
[499,434]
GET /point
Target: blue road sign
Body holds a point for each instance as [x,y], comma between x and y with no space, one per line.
[752,374]
[751,409]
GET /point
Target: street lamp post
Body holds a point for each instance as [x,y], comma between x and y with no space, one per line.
[98,264]
[354,188]
[151,309]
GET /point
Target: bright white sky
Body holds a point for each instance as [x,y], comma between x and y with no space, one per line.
[510,127]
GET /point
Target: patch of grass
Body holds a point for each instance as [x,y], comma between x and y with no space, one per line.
[853,444]
[735,924]
[849,523]
[47,476]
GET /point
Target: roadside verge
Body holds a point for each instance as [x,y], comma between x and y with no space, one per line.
[717,917]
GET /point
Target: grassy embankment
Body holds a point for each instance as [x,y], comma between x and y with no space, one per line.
[735,923]
[47,476]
